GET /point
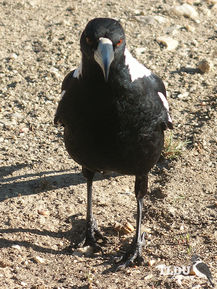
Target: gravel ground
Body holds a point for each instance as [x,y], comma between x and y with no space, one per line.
[42,191]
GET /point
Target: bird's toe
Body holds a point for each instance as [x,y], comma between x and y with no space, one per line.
[130,260]
[92,237]
[133,256]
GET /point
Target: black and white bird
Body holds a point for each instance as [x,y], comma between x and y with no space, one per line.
[114,112]
[201,269]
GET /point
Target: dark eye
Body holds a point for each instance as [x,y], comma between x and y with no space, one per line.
[89,41]
[119,42]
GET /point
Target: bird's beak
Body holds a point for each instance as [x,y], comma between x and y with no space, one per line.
[104,55]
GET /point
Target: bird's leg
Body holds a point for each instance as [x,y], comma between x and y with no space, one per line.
[92,233]
[134,254]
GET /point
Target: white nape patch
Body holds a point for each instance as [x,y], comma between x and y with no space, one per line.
[136,69]
[78,71]
[62,93]
[165,103]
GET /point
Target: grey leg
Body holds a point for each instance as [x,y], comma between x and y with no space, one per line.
[92,233]
[134,254]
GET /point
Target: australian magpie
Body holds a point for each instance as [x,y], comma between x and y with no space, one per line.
[114,112]
[201,269]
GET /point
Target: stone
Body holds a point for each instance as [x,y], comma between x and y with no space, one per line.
[211,1]
[170,43]
[204,66]
[185,10]
[140,50]
[39,260]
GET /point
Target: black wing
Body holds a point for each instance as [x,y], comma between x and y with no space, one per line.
[68,83]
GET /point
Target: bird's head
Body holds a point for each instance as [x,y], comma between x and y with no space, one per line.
[195,258]
[103,41]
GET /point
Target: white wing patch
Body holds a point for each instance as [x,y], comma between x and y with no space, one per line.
[164,100]
[62,93]
[166,104]
[78,71]
[136,69]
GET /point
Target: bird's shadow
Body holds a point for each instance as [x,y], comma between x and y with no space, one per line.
[6,243]
[77,228]
[68,235]
[35,183]
[73,235]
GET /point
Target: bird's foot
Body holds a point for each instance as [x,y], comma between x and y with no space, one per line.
[91,237]
[133,255]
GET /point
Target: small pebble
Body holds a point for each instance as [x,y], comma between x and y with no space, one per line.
[39,260]
[212,1]
[151,262]
[138,12]
[124,229]
[214,7]
[215,234]
[189,28]
[55,72]
[190,1]
[160,19]
[17,247]
[33,3]
[185,10]
[170,43]
[139,51]
[204,66]
[3,264]
[24,130]
[13,56]
[128,228]
[150,276]
[182,228]
[43,212]
[183,95]
[87,251]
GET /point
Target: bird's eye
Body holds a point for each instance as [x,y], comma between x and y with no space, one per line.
[89,41]
[119,42]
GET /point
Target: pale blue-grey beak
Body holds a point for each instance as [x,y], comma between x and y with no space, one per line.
[104,55]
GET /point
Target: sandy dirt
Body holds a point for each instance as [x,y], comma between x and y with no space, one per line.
[42,191]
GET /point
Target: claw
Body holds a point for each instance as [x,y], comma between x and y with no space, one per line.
[133,255]
[81,243]
[91,236]
[143,239]
[129,261]
[99,236]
